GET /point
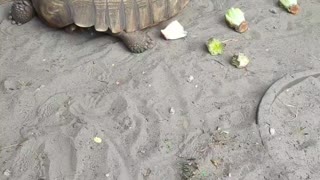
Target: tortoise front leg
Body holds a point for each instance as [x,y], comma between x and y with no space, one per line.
[136,42]
[21,12]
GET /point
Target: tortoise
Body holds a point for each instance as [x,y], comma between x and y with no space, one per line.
[124,19]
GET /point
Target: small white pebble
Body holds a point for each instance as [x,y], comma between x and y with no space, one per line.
[7,172]
[272,131]
[97,140]
[112,65]
[190,79]
[267,50]
[117,82]
[196,86]
[43,59]
[218,128]
[42,86]
[143,72]
[172,111]
[107,175]
[273,11]
[229,174]
[149,85]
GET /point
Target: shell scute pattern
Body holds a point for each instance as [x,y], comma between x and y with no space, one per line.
[123,15]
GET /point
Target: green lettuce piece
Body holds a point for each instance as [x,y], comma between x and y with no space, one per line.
[235,17]
[288,3]
[215,47]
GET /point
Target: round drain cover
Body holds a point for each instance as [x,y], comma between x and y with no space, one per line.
[289,122]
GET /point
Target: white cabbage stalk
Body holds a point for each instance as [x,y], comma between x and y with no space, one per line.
[240,61]
[174,31]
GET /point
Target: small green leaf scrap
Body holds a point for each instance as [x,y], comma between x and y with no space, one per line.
[215,47]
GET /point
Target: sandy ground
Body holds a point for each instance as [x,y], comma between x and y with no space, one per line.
[60,90]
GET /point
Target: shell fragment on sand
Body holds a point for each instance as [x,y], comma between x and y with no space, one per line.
[272,131]
[172,110]
[7,172]
[240,61]
[291,6]
[190,79]
[174,31]
[236,20]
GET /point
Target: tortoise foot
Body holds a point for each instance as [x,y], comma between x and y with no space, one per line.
[21,12]
[137,42]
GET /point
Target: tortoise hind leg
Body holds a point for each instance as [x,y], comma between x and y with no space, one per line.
[21,12]
[136,42]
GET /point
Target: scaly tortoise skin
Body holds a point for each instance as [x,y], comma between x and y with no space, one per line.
[121,18]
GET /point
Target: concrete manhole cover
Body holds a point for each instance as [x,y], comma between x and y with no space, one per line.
[289,121]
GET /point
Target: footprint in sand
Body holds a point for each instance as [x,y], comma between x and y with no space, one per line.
[25,161]
[125,124]
[60,157]
[108,111]
[45,152]
[60,145]
[50,115]
[105,116]
[50,158]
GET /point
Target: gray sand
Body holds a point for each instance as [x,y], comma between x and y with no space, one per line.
[60,90]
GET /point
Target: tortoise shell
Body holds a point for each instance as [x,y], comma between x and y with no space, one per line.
[114,15]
